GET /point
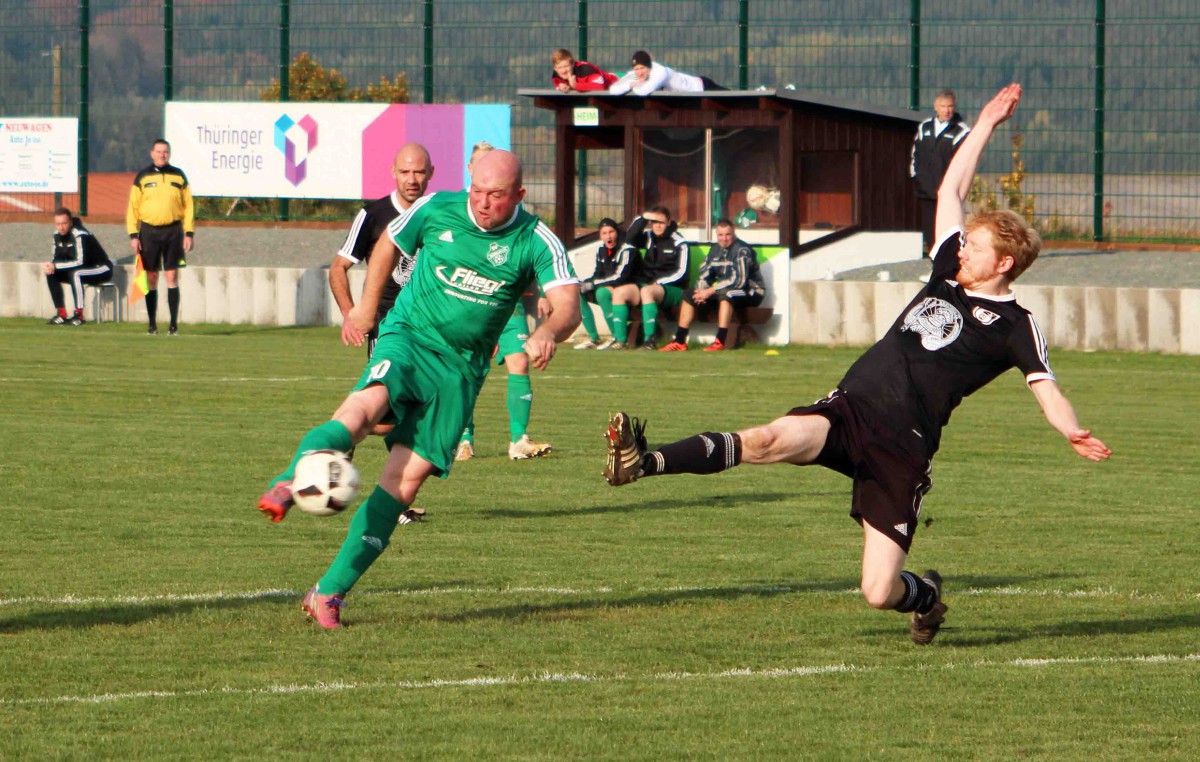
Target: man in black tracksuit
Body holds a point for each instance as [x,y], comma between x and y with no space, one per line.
[728,279]
[78,259]
[613,286]
[937,140]
[664,270]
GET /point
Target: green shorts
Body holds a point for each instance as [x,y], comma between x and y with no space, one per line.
[672,296]
[512,338]
[431,398]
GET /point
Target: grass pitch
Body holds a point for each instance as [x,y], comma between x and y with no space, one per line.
[148,611]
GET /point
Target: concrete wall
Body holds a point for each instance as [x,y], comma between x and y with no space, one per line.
[822,312]
[255,295]
[1072,317]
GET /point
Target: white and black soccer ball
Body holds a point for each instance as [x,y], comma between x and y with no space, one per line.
[325,482]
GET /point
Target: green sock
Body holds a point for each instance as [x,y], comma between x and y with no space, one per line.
[587,318]
[468,434]
[331,435]
[369,533]
[520,402]
[649,320]
[604,299]
[620,322]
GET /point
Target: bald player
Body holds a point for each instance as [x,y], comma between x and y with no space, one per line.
[479,248]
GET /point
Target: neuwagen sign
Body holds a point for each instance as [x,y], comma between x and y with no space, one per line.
[39,155]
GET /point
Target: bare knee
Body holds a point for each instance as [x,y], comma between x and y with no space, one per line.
[758,444]
[362,410]
[794,439]
[878,594]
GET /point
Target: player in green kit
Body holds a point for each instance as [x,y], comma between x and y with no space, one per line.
[479,250]
[510,352]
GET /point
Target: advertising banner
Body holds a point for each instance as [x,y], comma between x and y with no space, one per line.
[39,155]
[323,150]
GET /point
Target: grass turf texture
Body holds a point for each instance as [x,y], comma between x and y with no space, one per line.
[147,610]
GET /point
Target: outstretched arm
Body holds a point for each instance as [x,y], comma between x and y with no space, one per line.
[1061,416]
[956,183]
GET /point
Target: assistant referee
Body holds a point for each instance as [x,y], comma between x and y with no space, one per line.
[160,221]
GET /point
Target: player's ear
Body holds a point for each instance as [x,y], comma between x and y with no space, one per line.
[1005,264]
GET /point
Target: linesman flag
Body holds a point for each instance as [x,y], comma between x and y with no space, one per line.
[140,285]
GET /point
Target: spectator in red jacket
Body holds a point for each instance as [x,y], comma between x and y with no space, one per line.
[580,76]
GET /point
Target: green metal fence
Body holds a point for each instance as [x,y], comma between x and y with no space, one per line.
[1110,123]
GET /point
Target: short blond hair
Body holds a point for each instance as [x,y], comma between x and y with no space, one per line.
[1011,237]
[560,55]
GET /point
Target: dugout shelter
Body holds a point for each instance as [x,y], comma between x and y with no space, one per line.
[797,169]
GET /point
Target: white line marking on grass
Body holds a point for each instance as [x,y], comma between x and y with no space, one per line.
[575,677]
[272,379]
[1007,591]
[625,376]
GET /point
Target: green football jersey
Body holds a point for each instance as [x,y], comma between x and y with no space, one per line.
[467,280]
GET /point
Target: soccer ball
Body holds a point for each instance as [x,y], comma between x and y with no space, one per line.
[325,482]
[756,197]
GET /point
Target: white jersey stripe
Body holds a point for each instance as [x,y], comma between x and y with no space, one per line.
[397,225]
[347,250]
[1039,341]
[562,269]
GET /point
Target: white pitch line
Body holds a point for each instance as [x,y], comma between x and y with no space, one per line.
[1008,591]
[575,677]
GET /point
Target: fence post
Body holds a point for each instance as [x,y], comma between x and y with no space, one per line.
[168,50]
[85,23]
[743,44]
[1098,129]
[285,72]
[914,54]
[427,96]
[581,171]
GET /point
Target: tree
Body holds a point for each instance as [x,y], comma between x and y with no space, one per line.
[308,80]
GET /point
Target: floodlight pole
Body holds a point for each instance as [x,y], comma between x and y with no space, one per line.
[914,53]
[1098,129]
[85,23]
[168,50]
[285,60]
[581,168]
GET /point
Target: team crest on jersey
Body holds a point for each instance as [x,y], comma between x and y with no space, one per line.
[987,317]
[938,322]
[497,254]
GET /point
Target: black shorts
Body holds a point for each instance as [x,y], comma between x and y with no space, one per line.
[889,482]
[162,246]
[738,299]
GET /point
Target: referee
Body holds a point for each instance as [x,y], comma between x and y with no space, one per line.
[161,222]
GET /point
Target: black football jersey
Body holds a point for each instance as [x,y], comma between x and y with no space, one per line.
[371,222]
[946,344]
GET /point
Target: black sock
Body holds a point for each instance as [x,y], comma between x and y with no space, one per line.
[721,334]
[173,304]
[919,595]
[681,335]
[706,453]
[152,307]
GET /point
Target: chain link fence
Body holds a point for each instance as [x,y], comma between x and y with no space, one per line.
[1109,128]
